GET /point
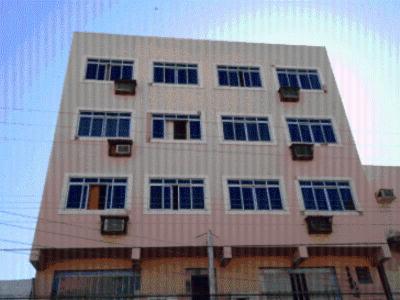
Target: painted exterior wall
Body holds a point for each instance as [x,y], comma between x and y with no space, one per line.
[211,159]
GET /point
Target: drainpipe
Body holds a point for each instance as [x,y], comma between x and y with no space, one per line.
[384,280]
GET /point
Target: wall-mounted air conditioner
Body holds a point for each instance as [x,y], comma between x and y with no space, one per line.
[114,224]
[302,151]
[319,224]
[385,195]
[289,94]
[125,87]
[119,147]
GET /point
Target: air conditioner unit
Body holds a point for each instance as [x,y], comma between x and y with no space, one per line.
[119,147]
[302,151]
[385,195]
[125,87]
[114,224]
[289,94]
[393,238]
[319,224]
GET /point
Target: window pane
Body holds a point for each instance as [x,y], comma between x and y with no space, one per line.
[180,128]
[305,83]
[347,199]
[263,130]
[101,72]
[329,134]
[255,79]
[127,72]
[198,197]
[252,132]
[275,198]
[228,130]
[111,127]
[158,74]
[124,127]
[167,197]
[233,78]
[294,132]
[115,72]
[283,80]
[182,76]
[322,203]
[317,134]
[158,129]
[315,84]
[235,199]
[248,201]
[155,197]
[97,127]
[195,131]
[223,77]
[84,126]
[192,76]
[169,75]
[74,196]
[308,198]
[91,71]
[293,81]
[184,197]
[262,198]
[334,199]
[247,80]
[305,133]
[118,197]
[240,132]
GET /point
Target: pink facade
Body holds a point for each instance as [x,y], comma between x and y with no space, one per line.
[65,234]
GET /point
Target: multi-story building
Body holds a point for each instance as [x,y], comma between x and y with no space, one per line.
[181,167]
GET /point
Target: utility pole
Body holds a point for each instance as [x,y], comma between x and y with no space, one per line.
[211,272]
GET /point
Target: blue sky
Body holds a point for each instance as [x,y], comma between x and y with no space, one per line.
[361,37]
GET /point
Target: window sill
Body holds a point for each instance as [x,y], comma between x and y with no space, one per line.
[100,138]
[248,143]
[177,141]
[240,88]
[113,212]
[257,212]
[331,213]
[176,212]
[171,85]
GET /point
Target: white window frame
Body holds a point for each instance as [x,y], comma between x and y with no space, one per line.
[76,120]
[175,85]
[354,194]
[282,189]
[202,140]
[240,64]
[114,57]
[272,142]
[112,211]
[207,205]
[323,89]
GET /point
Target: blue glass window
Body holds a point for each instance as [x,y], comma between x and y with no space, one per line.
[183,193]
[327,195]
[96,193]
[311,131]
[299,78]
[254,195]
[239,76]
[175,73]
[189,126]
[245,128]
[107,69]
[104,124]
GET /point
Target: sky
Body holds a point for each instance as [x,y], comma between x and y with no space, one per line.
[361,37]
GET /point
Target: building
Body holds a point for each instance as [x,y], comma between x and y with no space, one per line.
[167,148]
[16,289]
